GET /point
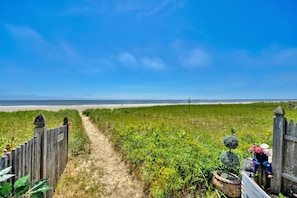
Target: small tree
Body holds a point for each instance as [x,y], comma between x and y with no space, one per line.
[228,158]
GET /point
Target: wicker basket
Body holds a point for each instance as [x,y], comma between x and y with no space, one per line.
[231,188]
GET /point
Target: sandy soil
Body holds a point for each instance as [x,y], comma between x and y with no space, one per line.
[116,178]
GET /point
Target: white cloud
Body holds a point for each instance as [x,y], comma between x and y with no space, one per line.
[150,8]
[23,32]
[68,49]
[128,5]
[127,58]
[195,58]
[31,41]
[75,11]
[154,62]
[157,8]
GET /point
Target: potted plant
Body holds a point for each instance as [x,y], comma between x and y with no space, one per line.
[224,180]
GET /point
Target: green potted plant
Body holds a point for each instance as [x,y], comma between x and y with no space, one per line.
[224,180]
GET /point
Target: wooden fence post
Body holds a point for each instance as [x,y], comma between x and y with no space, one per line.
[40,129]
[279,127]
[65,122]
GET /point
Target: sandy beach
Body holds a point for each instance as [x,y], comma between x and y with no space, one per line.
[77,107]
[100,106]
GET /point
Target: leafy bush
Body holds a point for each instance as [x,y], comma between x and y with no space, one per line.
[21,187]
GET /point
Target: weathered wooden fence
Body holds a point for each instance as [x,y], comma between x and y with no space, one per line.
[44,156]
[284,159]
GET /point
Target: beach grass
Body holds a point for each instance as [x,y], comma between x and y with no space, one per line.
[17,127]
[174,149]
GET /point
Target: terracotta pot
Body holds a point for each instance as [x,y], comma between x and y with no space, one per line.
[231,188]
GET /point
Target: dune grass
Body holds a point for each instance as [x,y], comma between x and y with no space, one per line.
[18,127]
[171,149]
[174,149]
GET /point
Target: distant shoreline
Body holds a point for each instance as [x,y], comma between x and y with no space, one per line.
[63,107]
[53,106]
[130,101]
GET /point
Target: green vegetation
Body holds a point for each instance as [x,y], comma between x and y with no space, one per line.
[21,187]
[18,127]
[228,158]
[173,150]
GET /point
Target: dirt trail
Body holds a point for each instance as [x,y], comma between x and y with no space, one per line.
[116,178]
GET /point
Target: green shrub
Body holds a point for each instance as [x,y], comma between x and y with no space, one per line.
[21,187]
[228,158]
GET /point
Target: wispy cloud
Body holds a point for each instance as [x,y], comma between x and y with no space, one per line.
[76,10]
[157,8]
[68,49]
[127,58]
[195,58]
[23,32]
[128,5]
[149,8]
[153,62]
[31,41]
[166,7]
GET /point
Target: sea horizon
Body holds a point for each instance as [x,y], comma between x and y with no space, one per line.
[57,102]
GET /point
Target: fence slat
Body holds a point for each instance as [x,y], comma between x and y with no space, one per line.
[295,152]
[36,158]
[278,133]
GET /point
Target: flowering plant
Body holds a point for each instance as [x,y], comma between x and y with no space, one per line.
[256,149]
[261,157]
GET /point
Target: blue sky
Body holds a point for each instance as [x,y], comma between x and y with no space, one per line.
[157,49]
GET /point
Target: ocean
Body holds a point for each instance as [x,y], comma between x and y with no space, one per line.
[130,102]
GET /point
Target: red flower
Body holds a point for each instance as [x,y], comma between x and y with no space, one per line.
[258,150]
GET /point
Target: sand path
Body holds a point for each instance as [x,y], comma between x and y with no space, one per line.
[116,178]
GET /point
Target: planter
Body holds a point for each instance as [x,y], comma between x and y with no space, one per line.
[229,186]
